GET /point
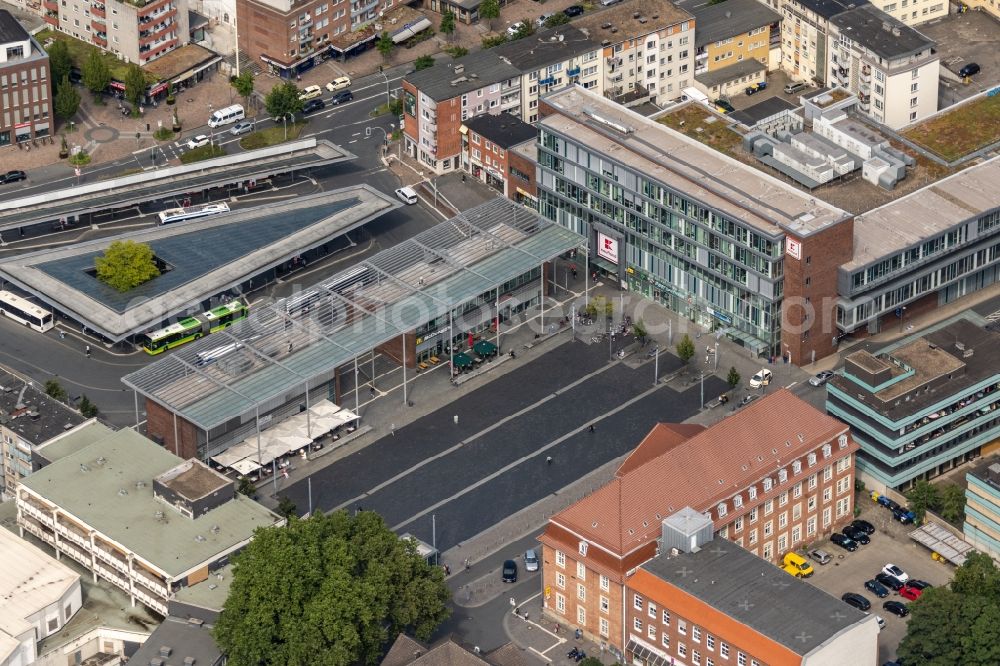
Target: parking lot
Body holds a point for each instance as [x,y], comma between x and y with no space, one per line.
[847,572]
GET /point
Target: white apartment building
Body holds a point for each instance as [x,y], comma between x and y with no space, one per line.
[137,31]
[913,12]
[892,68]
[805,41]
[647,51]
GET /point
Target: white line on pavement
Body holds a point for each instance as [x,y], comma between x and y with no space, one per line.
[792,384]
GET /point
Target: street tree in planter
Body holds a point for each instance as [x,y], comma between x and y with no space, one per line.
[448,24]
[385,45]
[67,100]
[243,84]
[135,87]
[685,348]
[489,10]
[126,264]
[733,378]
[283,100]
[96,74]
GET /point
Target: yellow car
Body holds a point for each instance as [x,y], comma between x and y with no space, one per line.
[339,83]
[310,92]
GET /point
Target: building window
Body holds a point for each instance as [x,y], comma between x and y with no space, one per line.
[811,526]
[811,459]
[828,473]
[581,592]
[605,627]
[724,649]
[737,501]
[738,524]
[768,528]
[696,634]
[583,548]
[560,580]
[827,517]
[827,494]
[682,649]
[605,582]
[769,507]
[637,624]
[605,605]
[782,520]
[710,642]
[560,558]
[752,492]
[581,616]
[666,617]
[783,498]
[741,659]
[682,627]
[843,506]
[721,510]
[560,603]
[752,516]
[651,610]
[581,571]
[797,490]
[637,602]
[665,640]
[696,657]
[812,482]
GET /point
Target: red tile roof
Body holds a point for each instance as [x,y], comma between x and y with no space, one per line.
[698,471]
[662,438]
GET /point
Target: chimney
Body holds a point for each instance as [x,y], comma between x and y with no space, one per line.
[459,69]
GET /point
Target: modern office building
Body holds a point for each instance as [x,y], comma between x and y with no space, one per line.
[139,517]
[712,603]
[921,407]
[921,251]
[647,50]
[729,247]
[892,68]
[26,102]
[791,482]
[805,36]
[499,150]
[733,41]
[982,505]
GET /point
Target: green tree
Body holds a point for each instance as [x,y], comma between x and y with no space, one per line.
[639,329]
[448,24]
[330,590]
[423,62]
[685,348]
[457,51]
[490,41]
[489,10]
[60,62]
[135,86]
[286,507]
[979,575]
[54,389]
[952,503]
[591,661]
[244,486]
[243,84]
[67,100]
[87,408]
[733,378]
[556,19]
[922,497]
[283,100]
[96,74]
[525,28]
[385,45]
[126,264]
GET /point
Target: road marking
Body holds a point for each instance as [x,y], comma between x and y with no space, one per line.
[356,134]
[792,384]
[353,141]
[994,316]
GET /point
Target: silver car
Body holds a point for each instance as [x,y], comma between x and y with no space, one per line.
[241,128]
[530,560]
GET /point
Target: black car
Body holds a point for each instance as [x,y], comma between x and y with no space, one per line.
[844,542]
[919,584]
[509,574]
[342,97]
[876,588]
[855,534]
[313,105]
[864,526]
[896,608]
[856,600]
[13,176]
[573,10]
[969,70]
[724,106]
[891,582]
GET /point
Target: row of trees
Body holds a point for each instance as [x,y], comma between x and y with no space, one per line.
[948,501]
[55,390]
[95,75]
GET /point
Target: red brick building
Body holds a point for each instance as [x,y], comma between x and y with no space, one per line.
[26,102]
[772,476]
[498,150]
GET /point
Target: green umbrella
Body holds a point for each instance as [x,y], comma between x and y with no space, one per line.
[485,348]
[462,360]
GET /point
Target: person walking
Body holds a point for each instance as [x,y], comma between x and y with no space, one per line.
[591,427]
[88,351]
[548,460]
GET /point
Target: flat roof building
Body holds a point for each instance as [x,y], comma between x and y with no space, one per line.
[982,506]
[922,406]
[138,516]
[25,64]
[805,33]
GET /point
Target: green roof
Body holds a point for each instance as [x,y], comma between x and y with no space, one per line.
[109,487]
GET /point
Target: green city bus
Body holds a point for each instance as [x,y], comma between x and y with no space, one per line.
[192,328]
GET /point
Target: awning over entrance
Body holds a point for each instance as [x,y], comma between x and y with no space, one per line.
[649,656]
[410,29]
[942,542]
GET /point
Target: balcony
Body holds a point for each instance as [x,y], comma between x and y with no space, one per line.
[52,18]
[151,36]
[51,5]
[99,26]
[98,10]
[101,39]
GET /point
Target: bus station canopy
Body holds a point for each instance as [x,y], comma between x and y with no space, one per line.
[298,342]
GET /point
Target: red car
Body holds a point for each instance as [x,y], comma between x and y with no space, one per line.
[910,593]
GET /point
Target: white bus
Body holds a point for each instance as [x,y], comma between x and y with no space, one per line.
[225,116]
[179,214]
[25,312]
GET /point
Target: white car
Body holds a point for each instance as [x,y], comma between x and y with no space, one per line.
[762,378]
[339,83]
[514,29]
[198,141]
[310,92]
[407,195]
[896,572]
[542,19]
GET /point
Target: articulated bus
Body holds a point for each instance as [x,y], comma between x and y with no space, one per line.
[25,312]
[192,328]
[179,214]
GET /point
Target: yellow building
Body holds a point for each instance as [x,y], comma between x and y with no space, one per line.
[733,42]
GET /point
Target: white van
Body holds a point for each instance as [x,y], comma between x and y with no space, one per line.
[228,115]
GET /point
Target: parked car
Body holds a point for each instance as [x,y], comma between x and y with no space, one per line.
[793,88]
[756,88]
[542,19]
[856,600]
[241,128]
[820,556]
[877,588]
[886,502]
[530,560]
[881,622]
[844,542]
[896,572]
[904,515]
[13,176]
[514,29]
[896,608]
[864,526]
[797,566]
[310,92]
[891,582]
[407,195]
[313,105]
[855,534]
[969,70]
[722,106]
[762,378]
[197,141]
[339,83]
[919,584]
[820,378]
[573,10]
[342,97]
[910,593]
[509,574]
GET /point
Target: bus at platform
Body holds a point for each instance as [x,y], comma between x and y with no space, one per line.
[192,328]
[181,214]
[25,312]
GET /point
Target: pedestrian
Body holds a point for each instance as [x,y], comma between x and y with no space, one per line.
[392,429]
[62,335]
[88,351]
[548,460]
[447,570]
[591,427]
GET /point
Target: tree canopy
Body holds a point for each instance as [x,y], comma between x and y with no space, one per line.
[126,264]
[243,84]
[330,590]
[685,348]
[283,100]
[60,62]
[959,624]
[423,62]
[67,100]
[448,23]
[489,10]
[135,84]
[96,73]
[385,45]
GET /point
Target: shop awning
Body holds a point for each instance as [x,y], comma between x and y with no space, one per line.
[410,29]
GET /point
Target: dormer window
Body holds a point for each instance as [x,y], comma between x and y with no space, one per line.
[782,475]
[842,441]
[827,449]
[796,467]
[583,548]
[738,501]
[767,484]
[752,492]
[722,509]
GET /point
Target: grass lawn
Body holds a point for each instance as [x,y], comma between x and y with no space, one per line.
[961,131]
[700,124]
[202,153]
[79,51]
[270,136]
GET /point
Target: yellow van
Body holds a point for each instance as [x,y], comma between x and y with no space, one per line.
[797,565]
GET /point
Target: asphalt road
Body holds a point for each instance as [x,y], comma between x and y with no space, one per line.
[491,463]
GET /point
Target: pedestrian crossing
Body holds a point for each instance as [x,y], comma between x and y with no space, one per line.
[993,317]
